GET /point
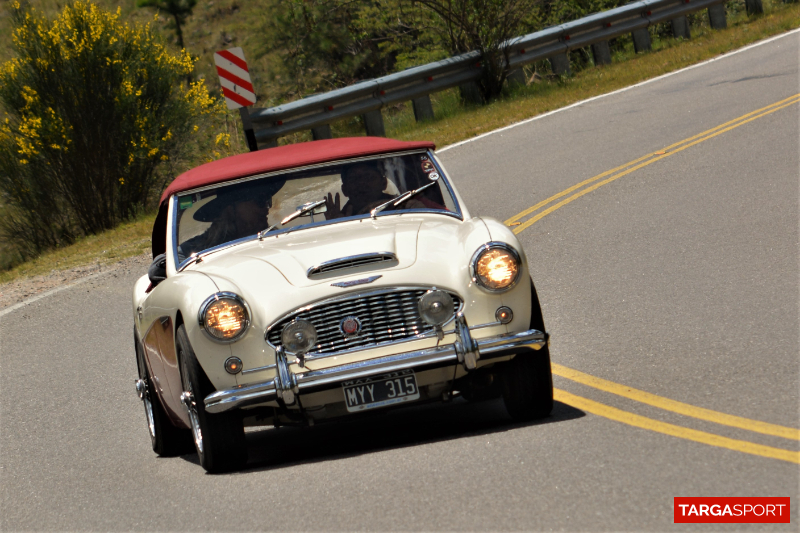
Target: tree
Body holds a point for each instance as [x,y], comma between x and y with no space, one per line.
[179,9]
[325,44]
[485,26]
[94,107]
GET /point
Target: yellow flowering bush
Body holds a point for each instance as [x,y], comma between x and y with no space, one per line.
[95,110]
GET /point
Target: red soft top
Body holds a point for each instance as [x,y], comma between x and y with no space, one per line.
[271,160]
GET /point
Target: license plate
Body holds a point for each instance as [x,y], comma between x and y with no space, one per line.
[380,391]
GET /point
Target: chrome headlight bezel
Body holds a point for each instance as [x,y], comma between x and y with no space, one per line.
[494,245]
[201,316]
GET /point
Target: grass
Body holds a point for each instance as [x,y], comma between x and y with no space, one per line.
[455,122]
[127,240]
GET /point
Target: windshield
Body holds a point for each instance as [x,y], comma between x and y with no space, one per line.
[220,215]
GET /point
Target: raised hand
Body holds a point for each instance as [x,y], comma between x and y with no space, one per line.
[334,207]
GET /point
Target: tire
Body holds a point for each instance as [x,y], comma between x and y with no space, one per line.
[166,439]
[218,438]
[527,379]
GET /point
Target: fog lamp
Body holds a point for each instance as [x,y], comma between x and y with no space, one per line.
[435,307]
[298,336]
[224,316]
[495,267]
[233,365]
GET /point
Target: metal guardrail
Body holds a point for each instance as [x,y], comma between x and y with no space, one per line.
[263,127]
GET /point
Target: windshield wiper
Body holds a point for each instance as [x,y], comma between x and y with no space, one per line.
[300,212]
[397,201]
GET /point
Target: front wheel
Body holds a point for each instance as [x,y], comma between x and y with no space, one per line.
[166,439]
[218,438]
[527,379]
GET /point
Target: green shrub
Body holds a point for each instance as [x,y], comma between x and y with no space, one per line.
[94,108]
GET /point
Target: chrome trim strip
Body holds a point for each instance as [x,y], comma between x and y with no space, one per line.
[481,326]
[201,315]
[266,391]
[332,265]
[486,247]
[258,369]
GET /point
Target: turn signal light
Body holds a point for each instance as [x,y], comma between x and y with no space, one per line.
[233,365]
[504,315]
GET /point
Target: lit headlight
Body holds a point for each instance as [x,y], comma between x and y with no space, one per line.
[495,266]
[224,316]
[435,307]
[298,336]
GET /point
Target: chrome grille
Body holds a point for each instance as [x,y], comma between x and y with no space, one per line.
[351,262]
[386,316]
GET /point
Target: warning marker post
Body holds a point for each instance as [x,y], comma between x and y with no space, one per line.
[234,77]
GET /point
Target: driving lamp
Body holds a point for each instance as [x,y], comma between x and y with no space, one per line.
[495,267]
[435,307]
[298,336]
[225,317]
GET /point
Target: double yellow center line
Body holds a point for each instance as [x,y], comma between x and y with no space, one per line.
[631,419]
[600,409]
[594,183]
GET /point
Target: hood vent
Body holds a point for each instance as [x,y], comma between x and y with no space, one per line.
[352,261]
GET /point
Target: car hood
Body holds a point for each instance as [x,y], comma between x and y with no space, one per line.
[293,254]
[431,250]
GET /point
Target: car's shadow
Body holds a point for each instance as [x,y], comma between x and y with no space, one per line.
[271,448]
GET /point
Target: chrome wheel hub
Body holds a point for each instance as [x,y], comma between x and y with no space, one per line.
[187,399]
[144,395]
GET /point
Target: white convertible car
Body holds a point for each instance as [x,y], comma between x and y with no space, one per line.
[320,280]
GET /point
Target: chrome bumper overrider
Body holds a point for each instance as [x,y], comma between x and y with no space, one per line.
[287,385]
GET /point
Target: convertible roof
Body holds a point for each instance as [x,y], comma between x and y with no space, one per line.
[285,157]
[271,160]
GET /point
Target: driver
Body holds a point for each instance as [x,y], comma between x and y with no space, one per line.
[363,185]
[236,212]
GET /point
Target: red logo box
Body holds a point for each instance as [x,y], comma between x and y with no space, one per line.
[732,510]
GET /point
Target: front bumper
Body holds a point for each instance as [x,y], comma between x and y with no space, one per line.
[286,385]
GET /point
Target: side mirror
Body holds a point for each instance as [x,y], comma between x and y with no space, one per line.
[158,270]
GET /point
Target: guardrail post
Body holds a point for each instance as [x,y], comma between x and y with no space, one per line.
[601,53]
[423,110]
[560,64]
[247,126]
[716,17]
[321,132]
[373,123]
[516,77]
[754,7]
[641,40]
[680,28]
[470,92]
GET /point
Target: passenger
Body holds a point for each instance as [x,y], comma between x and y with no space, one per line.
[363,185]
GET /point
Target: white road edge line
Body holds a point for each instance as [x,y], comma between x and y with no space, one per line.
[657,78]
[14,307]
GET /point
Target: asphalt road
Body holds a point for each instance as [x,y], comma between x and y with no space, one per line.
[678,278]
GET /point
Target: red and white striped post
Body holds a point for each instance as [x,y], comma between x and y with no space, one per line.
[234,77]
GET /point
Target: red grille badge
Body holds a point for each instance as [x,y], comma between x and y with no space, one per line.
[350,326]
